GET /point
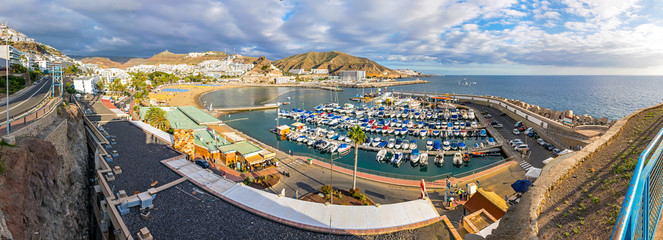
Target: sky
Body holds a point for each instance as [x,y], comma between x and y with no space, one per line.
[466,37]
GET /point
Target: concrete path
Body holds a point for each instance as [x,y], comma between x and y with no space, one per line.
[337,219]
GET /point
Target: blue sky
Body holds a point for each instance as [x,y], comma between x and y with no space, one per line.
[437,36]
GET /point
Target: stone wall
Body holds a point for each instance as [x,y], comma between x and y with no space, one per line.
[522,219]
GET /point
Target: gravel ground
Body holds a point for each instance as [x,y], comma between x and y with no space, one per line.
[186,212]
[140,158]
[587,203]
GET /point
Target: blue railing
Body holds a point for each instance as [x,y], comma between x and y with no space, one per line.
[641,209]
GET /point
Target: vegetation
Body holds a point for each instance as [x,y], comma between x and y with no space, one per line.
[73,69]
[358,138]
[156,117]
[326,190]
[248,180]
[15,84]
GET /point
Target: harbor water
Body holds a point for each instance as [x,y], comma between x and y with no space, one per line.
[609,96]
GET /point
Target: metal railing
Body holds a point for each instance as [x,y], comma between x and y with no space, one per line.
[642,205]
[41,110]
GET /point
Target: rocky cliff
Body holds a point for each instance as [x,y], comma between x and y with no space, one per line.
[43,190]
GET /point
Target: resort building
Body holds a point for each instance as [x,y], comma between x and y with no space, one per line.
[297,71]
[12,54]
[319,71]
[353,75]
[225,148]
[86,84]
[280,80]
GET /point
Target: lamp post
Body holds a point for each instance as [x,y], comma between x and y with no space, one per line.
[331,175]
[7,86]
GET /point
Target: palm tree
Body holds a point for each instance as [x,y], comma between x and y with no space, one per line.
[157,118]
[358,138]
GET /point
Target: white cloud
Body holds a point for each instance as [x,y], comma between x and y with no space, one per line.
[595,33]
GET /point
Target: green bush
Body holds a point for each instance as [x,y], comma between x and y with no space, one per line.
[248,181]
[326,190]
[355,192]
[362,197]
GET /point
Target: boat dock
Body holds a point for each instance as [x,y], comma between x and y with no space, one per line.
[491,148]
[243,109]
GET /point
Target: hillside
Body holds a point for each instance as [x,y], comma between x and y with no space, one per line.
[102,62]
[164,58]
[335,62]
[36,47]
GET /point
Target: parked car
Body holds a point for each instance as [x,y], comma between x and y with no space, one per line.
[556,151]
[521,147]
[522,128]
[515,142]
[494,123]
[540,141]
[518,124]
[516,132]
[488,115]
[202,163]
[548,146]
[499,125]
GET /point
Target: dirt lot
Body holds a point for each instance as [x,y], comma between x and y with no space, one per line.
[586,204]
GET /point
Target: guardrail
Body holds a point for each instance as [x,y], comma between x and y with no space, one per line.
[44,107]
[643,202]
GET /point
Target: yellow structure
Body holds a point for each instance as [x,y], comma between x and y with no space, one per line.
[183,141]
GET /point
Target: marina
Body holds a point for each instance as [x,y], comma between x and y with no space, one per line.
[313,138]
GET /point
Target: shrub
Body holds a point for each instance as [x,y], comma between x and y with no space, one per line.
[326,190]
[355,192]
[248,181]
[3,167]
[362,197]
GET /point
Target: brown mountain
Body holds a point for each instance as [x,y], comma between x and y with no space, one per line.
[102,62]
[335,62]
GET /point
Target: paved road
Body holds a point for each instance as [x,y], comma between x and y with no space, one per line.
[537,152]
[28,100]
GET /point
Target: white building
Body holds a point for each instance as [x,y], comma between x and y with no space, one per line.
[320,71]
[14,55]
[280,80]
[86,84]
[353,75]
[297,71]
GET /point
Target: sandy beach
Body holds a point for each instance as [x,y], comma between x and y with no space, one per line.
[189,98]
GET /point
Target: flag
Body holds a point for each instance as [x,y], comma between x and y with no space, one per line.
[423,188]
[448,183]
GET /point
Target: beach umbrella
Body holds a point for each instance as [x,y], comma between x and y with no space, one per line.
[521,185]
[458,191]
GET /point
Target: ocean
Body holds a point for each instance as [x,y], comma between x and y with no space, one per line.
[598,96]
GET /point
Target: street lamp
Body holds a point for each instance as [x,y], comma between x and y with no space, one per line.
[7,86]
[331,176]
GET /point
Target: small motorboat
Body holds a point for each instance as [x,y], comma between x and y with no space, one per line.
[398,157]
[344,148]
[446,145]
[458,159]
[439,158]
[429,144]
[413,144]
[381,154]
[423,159]
[414,157]
[436,145]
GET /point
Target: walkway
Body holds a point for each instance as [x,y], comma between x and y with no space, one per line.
[411,183]
[336,219]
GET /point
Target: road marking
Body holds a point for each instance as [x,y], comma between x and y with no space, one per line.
[21,103]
